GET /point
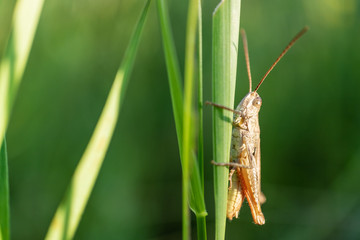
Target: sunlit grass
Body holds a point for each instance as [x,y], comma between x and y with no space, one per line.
[25,18]
[68,214]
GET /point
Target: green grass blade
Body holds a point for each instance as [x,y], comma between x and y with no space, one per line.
[200,98]
[188,134]
[173,69]
[226,21]
[68,214]
[197,202]
[201,227]
[4,195]
[200,218]
[25,20]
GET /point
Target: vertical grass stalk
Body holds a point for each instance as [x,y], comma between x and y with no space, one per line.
[4,195]
[200,219]
[196,198]
[226,22]
[188,122]
[200,98]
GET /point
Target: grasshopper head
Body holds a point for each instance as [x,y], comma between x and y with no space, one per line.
[250,105]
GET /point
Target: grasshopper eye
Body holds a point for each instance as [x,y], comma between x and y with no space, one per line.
[257,102]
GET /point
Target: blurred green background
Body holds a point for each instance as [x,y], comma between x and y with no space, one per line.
[310,121]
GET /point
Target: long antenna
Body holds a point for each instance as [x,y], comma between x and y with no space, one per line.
[247,60]
[282,54]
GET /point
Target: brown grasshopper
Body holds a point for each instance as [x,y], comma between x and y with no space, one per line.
[245,146]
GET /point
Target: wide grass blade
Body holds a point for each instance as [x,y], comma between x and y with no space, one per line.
[196,200]
[226,21]
[25,20]
[4,195]
[68,214]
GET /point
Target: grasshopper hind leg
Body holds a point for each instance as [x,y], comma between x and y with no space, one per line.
[236,195]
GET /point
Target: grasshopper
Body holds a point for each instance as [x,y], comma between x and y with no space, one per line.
[245,146]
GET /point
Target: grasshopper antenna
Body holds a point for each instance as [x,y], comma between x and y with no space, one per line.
[247,60]
[304,30]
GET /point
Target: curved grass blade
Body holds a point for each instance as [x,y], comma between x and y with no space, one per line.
[25,20]
[68,214]
[173,69]
[4,195]
[226,21]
